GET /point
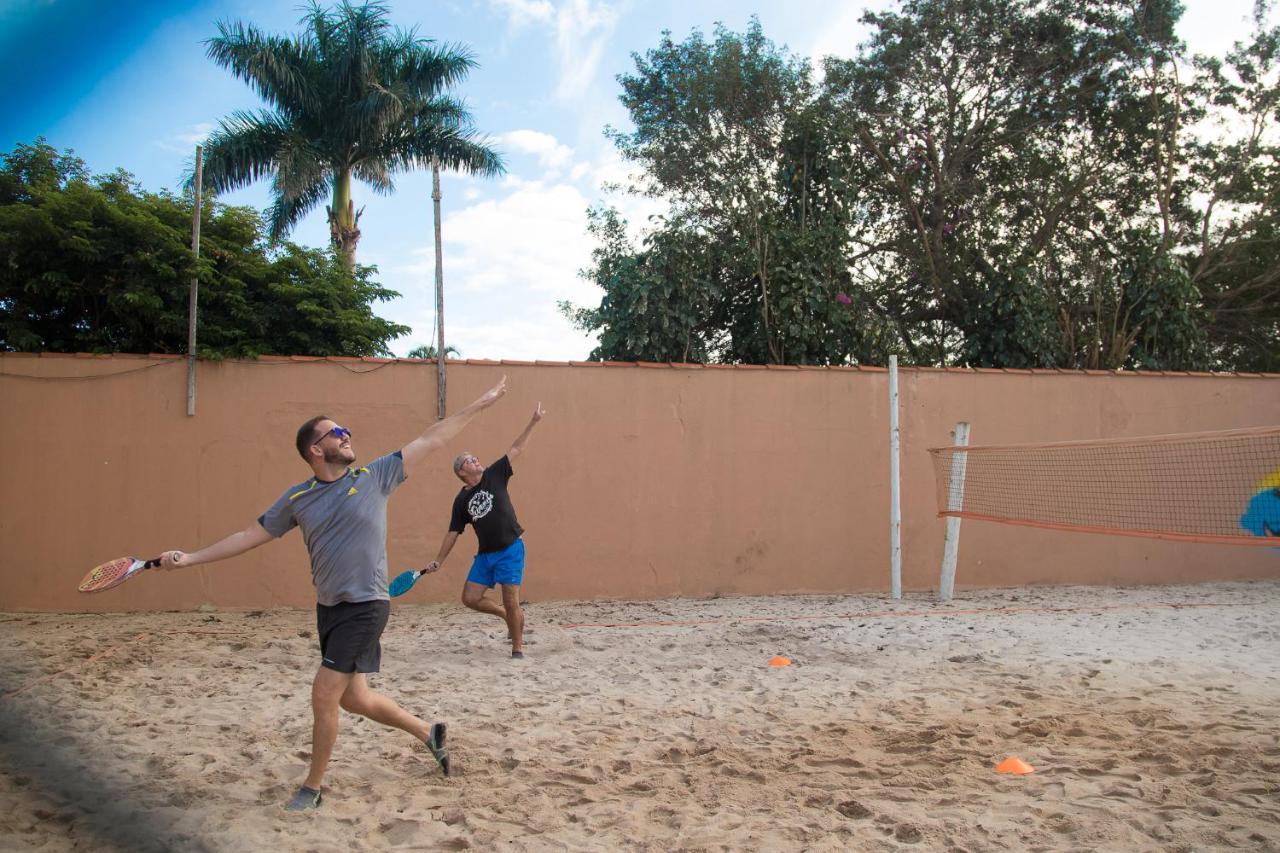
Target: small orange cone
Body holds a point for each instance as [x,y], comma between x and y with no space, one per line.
[779,660]
[1014,764]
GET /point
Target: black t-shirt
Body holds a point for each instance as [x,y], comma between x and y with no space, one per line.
[488,508]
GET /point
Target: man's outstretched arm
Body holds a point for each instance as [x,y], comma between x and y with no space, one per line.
[517,446]
[445,547]
[442,432]
[235,544]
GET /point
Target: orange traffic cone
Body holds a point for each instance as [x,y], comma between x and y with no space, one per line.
[1014,764]
[779,660]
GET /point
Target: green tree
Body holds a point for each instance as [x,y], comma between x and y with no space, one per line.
[749,263]
[1006,153]
[657,302]
[350,97]
[1232,247]
[95,264]
[986,183]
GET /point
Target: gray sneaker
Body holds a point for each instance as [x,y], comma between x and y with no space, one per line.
[435,743]
[305,800]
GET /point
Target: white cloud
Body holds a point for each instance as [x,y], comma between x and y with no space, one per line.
[551,153]
[186,139]
[507,263]
[637,210]
[613,170]
[533,239]
[582,29]
[1212,28]
[531,336]
[842,31]
[513,253]
[520,13]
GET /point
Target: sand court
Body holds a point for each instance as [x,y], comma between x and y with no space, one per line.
[1149,714]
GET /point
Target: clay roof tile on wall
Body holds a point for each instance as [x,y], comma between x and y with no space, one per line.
[671,365]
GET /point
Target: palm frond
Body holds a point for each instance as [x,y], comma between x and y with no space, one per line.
[443,111]
[278,69]
[359,33]
[373,114]
[299,167]
[288,208]
[458,150]
[374,172]
[243,149]
[431,68]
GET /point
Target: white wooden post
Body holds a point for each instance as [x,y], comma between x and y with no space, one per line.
[955,503]
[895,497]
[440,375]
[194,296]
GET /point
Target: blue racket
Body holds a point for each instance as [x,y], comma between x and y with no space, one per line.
[404,581]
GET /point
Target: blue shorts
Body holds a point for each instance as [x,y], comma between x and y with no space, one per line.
[505,566]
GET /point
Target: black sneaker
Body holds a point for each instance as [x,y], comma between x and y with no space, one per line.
[436,744]
[305,800]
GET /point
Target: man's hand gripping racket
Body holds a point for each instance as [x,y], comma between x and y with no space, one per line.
[404,581]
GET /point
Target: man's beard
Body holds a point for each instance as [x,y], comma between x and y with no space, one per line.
[339,456]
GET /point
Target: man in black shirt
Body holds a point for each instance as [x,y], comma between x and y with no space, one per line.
[484,503]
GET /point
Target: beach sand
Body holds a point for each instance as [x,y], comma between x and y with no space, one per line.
[1150,715]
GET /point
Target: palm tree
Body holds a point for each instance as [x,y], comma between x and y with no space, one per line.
[429,351]
[351,96]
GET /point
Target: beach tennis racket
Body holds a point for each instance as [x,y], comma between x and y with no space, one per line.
[114,573]
[404,582]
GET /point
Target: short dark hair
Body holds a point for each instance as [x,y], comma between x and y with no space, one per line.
[307,435]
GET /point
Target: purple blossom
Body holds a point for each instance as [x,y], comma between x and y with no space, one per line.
[843,299]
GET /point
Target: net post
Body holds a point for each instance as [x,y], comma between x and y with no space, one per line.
[955,503]
[895,495]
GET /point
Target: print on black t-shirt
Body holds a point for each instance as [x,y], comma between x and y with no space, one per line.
[488,509]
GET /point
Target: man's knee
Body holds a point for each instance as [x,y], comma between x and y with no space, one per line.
[471,597]
[328,689]
[354,704]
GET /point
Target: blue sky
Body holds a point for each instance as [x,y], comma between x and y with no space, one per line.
[127,84]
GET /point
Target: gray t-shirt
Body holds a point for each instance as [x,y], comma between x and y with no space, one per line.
[344,524]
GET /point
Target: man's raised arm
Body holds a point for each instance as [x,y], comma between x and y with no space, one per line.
[442,432]
[517,446]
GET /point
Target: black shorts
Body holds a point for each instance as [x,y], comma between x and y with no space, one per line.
[349,634]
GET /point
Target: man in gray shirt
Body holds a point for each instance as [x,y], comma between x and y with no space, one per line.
[342,511]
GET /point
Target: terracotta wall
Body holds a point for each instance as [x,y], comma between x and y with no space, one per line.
[643,481]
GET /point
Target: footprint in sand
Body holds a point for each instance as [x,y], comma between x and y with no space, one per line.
[399,832]
[907,833]
[854,809]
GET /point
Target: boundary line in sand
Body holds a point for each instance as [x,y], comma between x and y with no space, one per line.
[878,614]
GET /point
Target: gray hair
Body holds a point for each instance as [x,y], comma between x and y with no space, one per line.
[459,459]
